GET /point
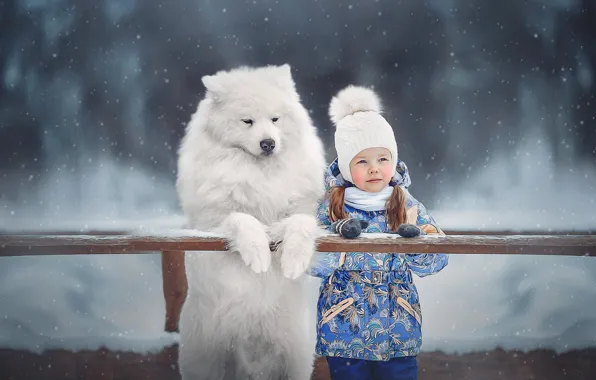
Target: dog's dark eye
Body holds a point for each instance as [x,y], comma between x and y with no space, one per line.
[275,119]
[247,121]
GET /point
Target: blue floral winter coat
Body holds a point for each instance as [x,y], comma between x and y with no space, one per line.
[368,305]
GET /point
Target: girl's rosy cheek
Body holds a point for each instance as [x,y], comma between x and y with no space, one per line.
[386,171]
[357,176]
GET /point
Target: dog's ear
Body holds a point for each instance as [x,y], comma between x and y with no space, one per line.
[213,84]
[285,70]
[283,77]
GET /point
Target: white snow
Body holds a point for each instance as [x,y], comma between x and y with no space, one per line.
[80,302]
[394,236]
[175,233]
[479,302]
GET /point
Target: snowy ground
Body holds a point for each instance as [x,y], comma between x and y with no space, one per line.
[82,302]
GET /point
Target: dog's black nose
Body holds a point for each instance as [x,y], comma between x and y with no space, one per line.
[268,145]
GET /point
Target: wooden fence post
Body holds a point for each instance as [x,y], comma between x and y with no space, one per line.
[175,286]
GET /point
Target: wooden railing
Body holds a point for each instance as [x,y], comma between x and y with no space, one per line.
[568,245]
[173,246]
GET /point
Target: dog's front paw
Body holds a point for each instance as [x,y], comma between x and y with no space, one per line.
[295,257]
[298,244]
[247,236]
[254,250]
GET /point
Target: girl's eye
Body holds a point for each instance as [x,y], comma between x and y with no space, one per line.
[275,119]
[247,121]
[383,159]
[361,162]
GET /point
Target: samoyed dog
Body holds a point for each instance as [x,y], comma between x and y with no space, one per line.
[251,168]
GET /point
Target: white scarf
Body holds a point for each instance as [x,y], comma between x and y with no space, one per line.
[366,201]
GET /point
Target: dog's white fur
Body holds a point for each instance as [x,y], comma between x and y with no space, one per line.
[245,315]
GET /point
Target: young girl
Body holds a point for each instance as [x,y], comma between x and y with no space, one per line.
[368,313]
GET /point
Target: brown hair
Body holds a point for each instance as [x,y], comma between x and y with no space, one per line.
[395,208]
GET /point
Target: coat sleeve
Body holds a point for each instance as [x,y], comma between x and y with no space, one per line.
[323,264]
[424,264]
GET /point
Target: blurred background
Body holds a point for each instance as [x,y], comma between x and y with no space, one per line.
[493,105]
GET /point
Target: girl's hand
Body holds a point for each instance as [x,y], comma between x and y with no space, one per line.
[349,228]
[409,230]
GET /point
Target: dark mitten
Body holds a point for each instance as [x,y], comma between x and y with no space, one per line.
[349,228]
[408,230]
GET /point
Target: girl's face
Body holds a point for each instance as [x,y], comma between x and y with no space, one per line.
[372,169]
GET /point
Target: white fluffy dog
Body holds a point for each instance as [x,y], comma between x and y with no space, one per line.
[251,167]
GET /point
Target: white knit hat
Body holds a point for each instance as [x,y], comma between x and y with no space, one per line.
[358,126]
